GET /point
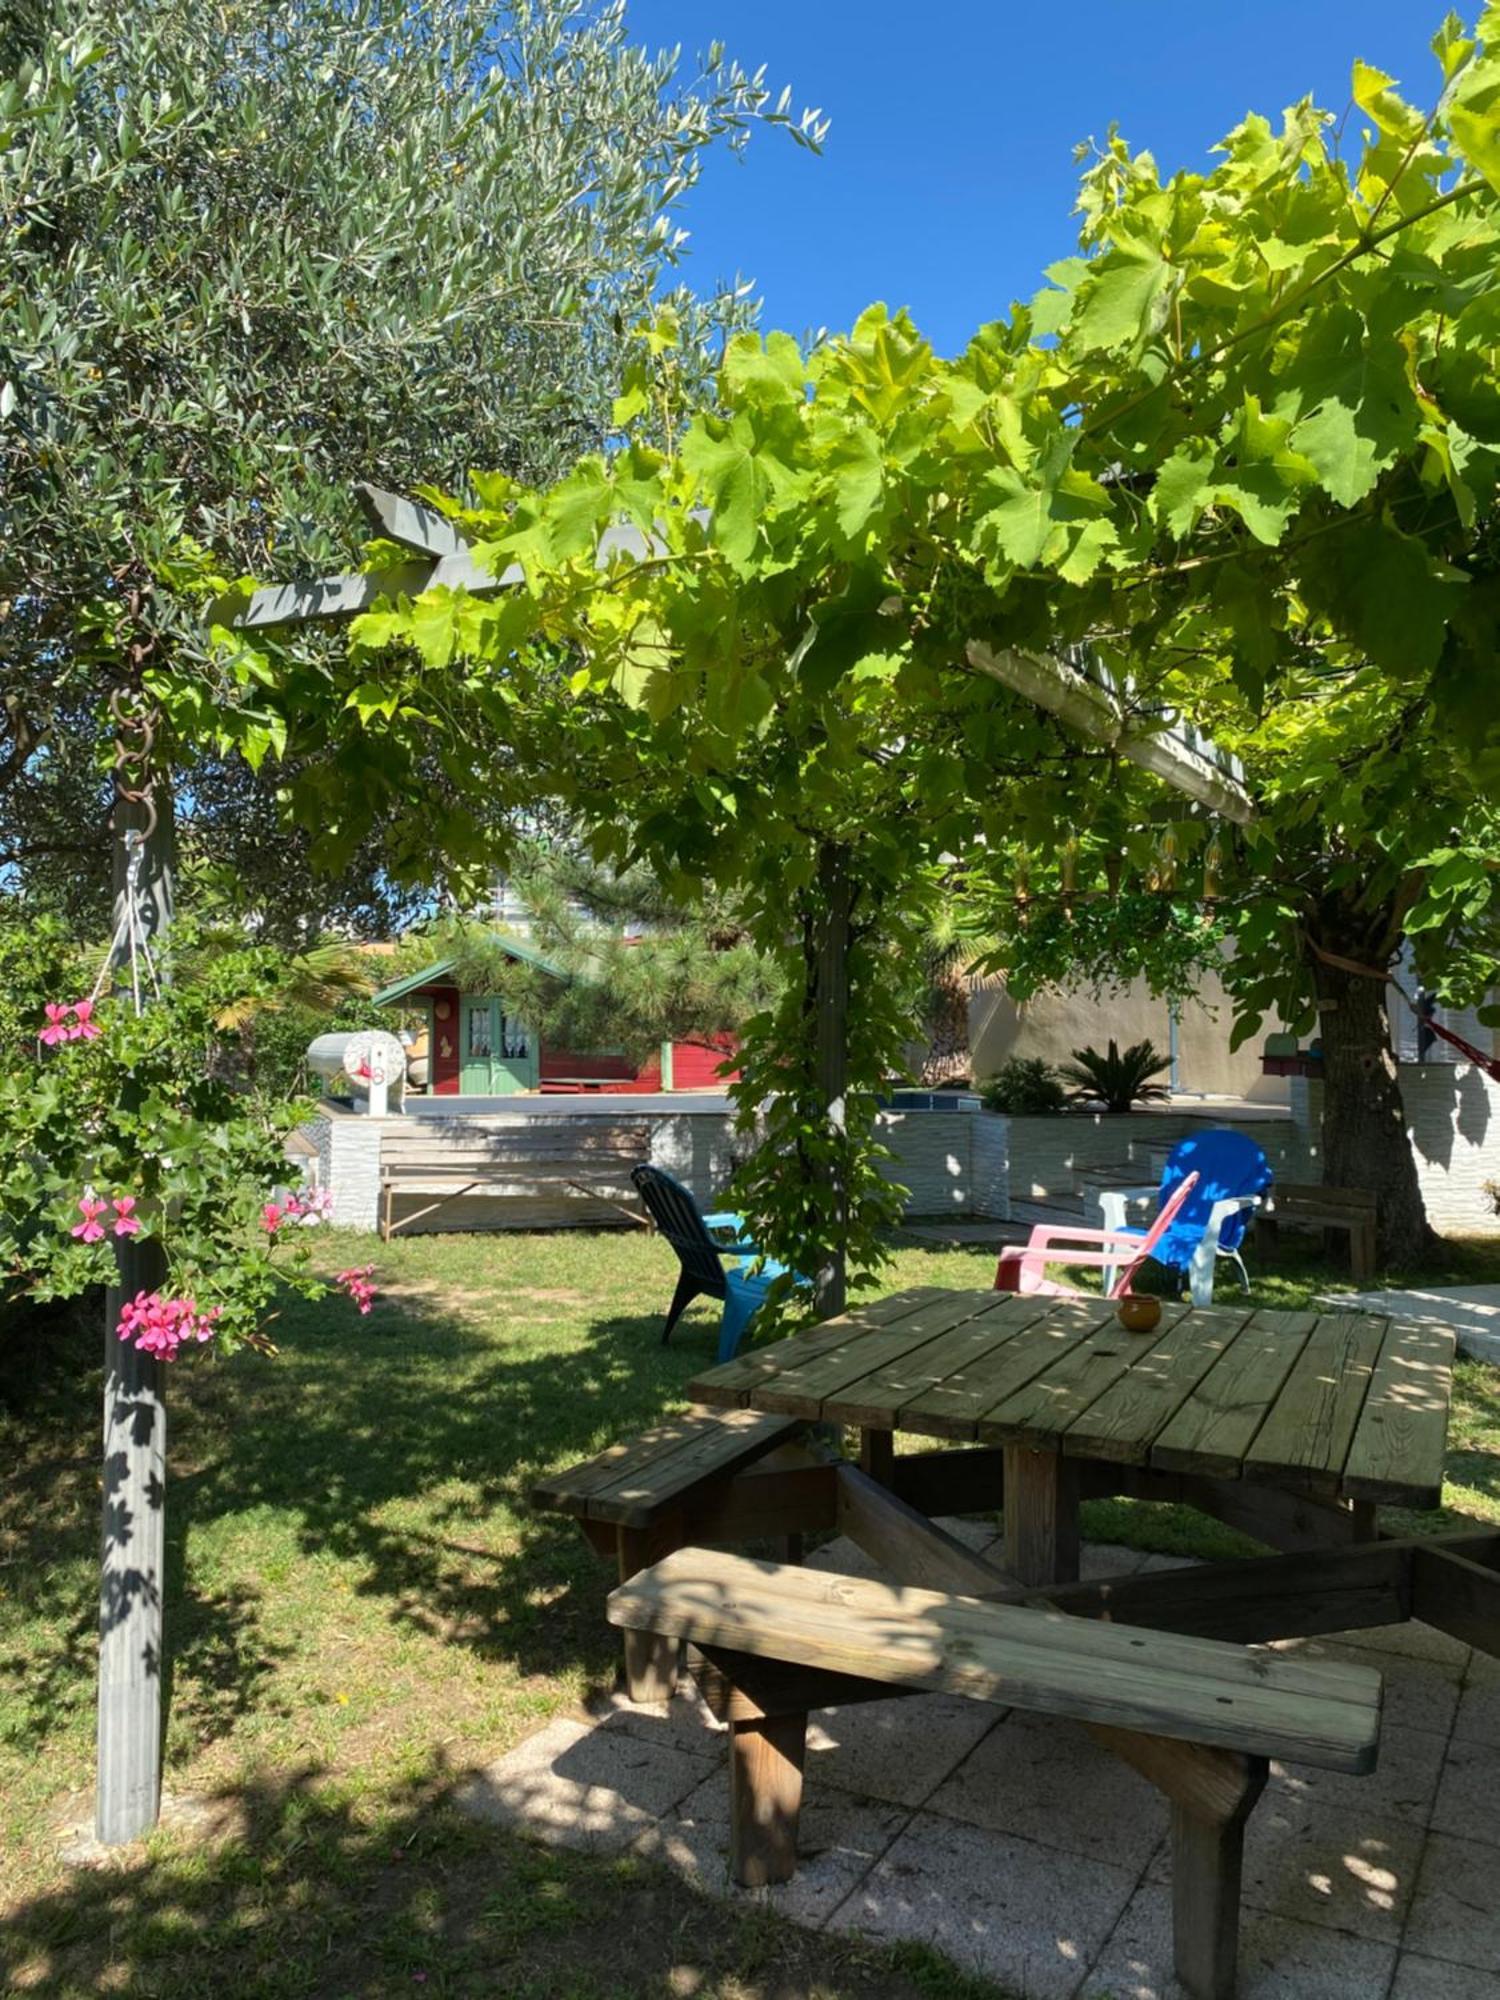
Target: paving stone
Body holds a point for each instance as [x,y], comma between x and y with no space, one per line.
[1098,1560]
[1279,1959]
[897,1750]
[1047,1780]
[1402,1785]
[1478,1718]
[1435,1979]
[1316,1864]
[975,1534]
[1413,1640]
[686,1719]
[1455,1913]
[839,1838]
[575,1785]
[1468,1798]
[1028,1917]
[844,1557]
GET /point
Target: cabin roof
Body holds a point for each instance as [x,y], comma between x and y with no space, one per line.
[512,947]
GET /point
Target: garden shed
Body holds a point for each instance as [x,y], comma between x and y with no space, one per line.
[462,1043]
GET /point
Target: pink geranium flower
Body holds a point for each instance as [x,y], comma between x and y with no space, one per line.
[56,1029]
[126,1221]
[90,1208]
[356,1282]
[161,1325]
[271,1217]
[71,1021]
[85,1028]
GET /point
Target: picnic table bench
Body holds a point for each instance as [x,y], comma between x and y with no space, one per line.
[453,1157]
[1200,1718]
[639,1500]
[1291,1424]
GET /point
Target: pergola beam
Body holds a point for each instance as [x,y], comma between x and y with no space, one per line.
[441,556]
[1093,711]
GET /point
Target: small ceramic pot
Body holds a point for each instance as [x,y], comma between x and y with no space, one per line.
[1138,1314]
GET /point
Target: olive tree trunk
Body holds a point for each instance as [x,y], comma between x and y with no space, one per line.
[132,1566]
[1365,1140]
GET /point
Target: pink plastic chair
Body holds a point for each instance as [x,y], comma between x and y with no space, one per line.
[1025,1269]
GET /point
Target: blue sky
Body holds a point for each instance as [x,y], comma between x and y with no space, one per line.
[947,181]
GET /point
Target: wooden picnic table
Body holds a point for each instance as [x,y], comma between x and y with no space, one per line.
[1291,1425]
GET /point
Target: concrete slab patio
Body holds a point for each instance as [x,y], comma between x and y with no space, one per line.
[1028,1855]
[1474,1310]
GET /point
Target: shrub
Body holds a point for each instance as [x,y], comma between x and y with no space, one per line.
[1115,1079]
[1024,1086]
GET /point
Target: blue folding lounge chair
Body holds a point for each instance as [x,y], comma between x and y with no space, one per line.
[702,1243]
[1233,1174]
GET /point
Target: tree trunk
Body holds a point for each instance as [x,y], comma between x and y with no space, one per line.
[132,1575]
[829,982]
[947,1057]
[1365,1142]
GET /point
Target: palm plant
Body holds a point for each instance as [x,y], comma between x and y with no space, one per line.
[1117,1079]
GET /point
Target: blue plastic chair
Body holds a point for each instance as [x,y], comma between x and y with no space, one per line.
[1233,1175]
[702,1243]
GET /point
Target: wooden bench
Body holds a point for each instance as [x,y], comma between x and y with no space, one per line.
[679,1483]
[1313,1207]
[1199,1717]
[559,1159]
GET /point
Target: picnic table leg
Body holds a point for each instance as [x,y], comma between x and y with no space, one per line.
[877,1454]
[1041,1515]
[765,1797]
[1207,1861]
[651,1661]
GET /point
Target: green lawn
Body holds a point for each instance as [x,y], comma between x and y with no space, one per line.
[361,1606]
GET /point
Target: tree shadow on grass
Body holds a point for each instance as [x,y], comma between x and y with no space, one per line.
[295,1886]
[402,1447]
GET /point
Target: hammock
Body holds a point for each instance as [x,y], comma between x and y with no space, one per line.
[1489,1064]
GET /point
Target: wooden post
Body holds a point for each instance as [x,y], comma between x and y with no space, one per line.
[651,1660]
[1208,1854]
[829,969]
[1041,1515]
[132,1570]
[765,1797]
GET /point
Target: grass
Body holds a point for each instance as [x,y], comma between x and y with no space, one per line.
[362,1607]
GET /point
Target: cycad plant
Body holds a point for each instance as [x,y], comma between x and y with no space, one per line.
[1116,1079]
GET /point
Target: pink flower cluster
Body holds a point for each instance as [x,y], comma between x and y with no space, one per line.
[160,1326]
[91,1208]
[356,1282]
[70,1022]
[307,1210]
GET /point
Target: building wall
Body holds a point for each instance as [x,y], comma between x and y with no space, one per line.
[1453,1117]
[1052,1025]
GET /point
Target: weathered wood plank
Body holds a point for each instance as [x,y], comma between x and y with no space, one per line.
[1305,1438]
[1457,1596]
[765,1798]
[812,1388]
[1396,1454]
[1041,1515]
[735,1382]
[632,1480]
[1041,1411]
[952,1408]
[1197,1690]
[906,1544]
[883,1395]
[1119,1425]
[1215,1427]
